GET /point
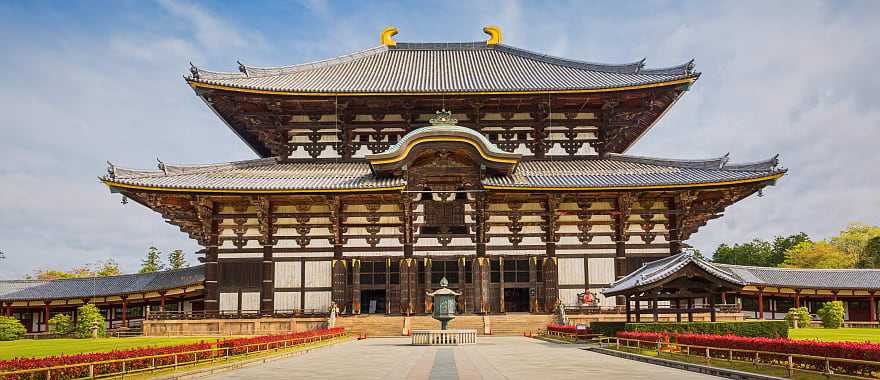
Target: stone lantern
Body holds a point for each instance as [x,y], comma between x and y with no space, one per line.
[444,303]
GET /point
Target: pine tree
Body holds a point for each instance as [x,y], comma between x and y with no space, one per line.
[177,260]
[153,261]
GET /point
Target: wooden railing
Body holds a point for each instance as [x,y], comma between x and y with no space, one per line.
[148,364]
[620,309]
[790,363]
[242,314]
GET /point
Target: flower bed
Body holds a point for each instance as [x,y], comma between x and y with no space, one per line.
[147,357]
[562,328]
[777,351]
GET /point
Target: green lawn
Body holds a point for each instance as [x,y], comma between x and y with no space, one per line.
[835,335]
[28,348]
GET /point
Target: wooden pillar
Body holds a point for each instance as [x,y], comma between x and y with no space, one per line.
[461,302]
[872,307]
[724,298]
[46,314]
[355,286]
[628,309]
[654,312]
[8,311]
[551,291]
[480,270]
[267,291]
[834,292]
[429,306]
[711,307]
[408,285]
[501,305]
[388,285]
[690,309]
[760,303]
[678,310]
[772,303]
[124,311]
[533,284]
[638,309]
[797,298]
[162,302]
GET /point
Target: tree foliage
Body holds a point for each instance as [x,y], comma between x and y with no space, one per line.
[820,254]
[107,268]
[87,316]
[831,314]
[177,260]
[11,328]
[799,314]
[871,256]
[758,252]
[152,262]
[61,324]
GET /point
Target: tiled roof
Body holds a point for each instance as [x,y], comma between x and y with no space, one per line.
[657,270]
[444,131]
[442,67]
[107,286]
[263,174]
[627,171]
[806,278]
[11,286]
[270,175]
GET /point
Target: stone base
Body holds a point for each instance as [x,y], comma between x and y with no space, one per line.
[225,327]
[443,337]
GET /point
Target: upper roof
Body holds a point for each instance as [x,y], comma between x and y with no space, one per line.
[806,278]
[427,68]
[87,287]
[613,172]
[655,271]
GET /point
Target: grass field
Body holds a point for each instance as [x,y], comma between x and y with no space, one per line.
[27,348]
[837,335]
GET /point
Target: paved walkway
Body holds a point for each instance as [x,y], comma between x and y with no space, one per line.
[490,358]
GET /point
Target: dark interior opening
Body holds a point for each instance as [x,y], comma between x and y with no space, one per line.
[367,307]
[516,300]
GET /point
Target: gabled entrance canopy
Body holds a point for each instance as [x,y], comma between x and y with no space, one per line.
[443,137]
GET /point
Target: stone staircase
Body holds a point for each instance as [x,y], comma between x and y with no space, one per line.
[464,322]
[372,325]
[518,323]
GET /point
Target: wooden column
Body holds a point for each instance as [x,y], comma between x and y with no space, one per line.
[533,284]
[501,307]
[481,272]
[797,298]
[638,309]
[46,314]
[212,293]
[711,307]
[690,309]
[267,291]
[551,291]
[355,286]
[388,285]
[429,306]
[872,307]
[124,311]
[678,310]
[162,301]
[339,277]
[834,292]
[461,301]
[408,285]
[8,311]
[760,303]
[654,312]
[628,309]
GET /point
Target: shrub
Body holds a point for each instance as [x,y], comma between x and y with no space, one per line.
[799,314]
[607,328]
[11,328]
[831,314]
[843,350]
[767,329]
[89,315]
[61,324]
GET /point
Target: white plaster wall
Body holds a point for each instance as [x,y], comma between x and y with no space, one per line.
[287,274]
[317,274]
[601,270]
[571,271]
[228,302]
[287,300]
[250,301]
[317,300]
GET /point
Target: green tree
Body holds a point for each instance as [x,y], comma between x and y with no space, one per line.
[177,260]
[754,253]
[61,324]
[871,256]
[831,314]
[153,261]
[89,315]
[107,268]
[854,239]
[820,254]
[11,329]
[783,244]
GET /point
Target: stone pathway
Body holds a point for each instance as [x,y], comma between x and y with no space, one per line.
[491,358]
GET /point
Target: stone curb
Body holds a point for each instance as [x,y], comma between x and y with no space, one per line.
[203,372]
[713,371]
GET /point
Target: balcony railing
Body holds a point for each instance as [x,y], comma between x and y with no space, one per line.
[238,314]
[620,309]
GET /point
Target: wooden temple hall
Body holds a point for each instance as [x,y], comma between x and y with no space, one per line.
[383,171]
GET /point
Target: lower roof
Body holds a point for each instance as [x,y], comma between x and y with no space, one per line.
[612,172]
[89,287]
[806,278]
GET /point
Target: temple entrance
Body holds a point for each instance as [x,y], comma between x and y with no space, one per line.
[516,300]
[372,302]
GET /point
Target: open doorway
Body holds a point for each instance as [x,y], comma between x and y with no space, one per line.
[372,302]
[516,300]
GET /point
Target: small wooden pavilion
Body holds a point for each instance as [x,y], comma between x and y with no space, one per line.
[682,277]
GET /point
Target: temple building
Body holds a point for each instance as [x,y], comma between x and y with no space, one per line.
[381,172]
[385,170]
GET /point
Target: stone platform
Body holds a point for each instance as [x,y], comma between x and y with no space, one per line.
[443,337]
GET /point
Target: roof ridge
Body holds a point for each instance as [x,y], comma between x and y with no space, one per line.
[167,170]
[247,71]
[798,269]
[709,163]
[768,164]
[622,68]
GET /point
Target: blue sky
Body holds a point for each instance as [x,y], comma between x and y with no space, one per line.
[87,82]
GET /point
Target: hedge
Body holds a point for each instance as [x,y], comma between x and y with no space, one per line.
[607,328]
[765,329]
